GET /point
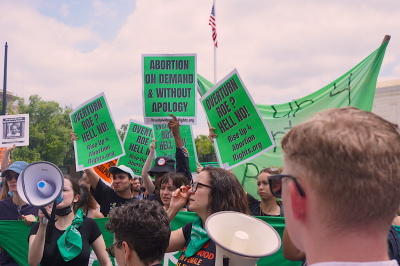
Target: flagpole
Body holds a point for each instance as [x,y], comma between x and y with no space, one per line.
[215,54]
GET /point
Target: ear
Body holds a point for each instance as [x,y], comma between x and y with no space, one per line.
[76,198]
[131,181]
[127,251]
[298,202]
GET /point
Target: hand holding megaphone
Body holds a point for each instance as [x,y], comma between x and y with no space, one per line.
[42,216]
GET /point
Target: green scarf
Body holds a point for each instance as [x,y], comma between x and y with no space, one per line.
[198,237]
[70,243]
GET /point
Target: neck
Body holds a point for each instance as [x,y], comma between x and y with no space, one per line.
[269,206]
[64,221]
[360,244]
[126,194]
[17,200]
[135,193]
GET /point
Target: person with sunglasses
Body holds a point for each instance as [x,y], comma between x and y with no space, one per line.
[340,187]
[141,233]
[216,190]
[268,206]
[12,207]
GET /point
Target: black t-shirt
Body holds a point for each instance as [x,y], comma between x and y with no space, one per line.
[107,198]
[89,230]
[255,209]
[204,257]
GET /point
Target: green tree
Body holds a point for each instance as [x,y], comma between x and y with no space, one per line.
[49,132]
[203,146]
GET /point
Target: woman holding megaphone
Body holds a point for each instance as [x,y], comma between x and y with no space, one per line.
[216,190]
[72,236]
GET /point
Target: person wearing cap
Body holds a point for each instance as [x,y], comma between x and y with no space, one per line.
[12,207]
[107,197]
[164,164]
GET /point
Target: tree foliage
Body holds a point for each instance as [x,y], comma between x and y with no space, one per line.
[49,132]
[203,145]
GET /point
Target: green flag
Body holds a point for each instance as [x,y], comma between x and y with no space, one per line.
[354,88]
[136,144]
[98,140]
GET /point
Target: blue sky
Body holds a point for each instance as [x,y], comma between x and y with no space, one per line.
[70,51]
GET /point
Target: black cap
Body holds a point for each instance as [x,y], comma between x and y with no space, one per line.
[163,165]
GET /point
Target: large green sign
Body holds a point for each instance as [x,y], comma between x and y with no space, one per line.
[98,140]
[242,132]
[169,86]
[136,144]
[165,143]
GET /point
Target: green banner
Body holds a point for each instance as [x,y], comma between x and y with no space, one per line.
[355,88]
[165,143]
[98,140]
[136,144]
[14,234]
[169,84]
[242,132]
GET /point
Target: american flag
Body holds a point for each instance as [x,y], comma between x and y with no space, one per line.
[213,26]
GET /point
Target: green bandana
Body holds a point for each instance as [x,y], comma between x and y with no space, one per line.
[198,237]
[70,243]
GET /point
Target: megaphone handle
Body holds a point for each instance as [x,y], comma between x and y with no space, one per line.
[51,222]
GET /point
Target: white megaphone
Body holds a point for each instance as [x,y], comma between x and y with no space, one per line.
[40,183]
[241,238]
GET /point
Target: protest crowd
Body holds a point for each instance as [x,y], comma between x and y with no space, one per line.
[339,188]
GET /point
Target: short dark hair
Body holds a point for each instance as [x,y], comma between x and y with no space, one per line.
[145,227]
[178,179]
[227,194]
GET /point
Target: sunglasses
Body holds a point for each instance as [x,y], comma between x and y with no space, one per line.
[10,177]
[275,185]
[111,249]
[195,185]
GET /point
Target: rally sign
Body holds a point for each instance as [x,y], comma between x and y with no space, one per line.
[98,140]
[169,86]
[102,170]
[242,132]
[136,144]
[165,143]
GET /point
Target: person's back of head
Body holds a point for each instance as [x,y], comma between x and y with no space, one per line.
[144,226]
[351,159]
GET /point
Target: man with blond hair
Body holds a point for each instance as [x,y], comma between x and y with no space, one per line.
[341,187]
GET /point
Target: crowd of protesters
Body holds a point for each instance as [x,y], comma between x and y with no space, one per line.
[339,188]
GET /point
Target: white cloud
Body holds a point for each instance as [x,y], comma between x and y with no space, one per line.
[282,49]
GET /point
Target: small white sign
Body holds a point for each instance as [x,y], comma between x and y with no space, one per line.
[14,130]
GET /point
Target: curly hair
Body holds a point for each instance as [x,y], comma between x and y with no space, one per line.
[144,226]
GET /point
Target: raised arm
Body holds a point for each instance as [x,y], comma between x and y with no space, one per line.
[5,162]
[181,155]
[148,183]
[93,177]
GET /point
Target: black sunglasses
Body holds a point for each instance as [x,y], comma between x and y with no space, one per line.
[10,177]
[111,249]
[196,184]
[275,185]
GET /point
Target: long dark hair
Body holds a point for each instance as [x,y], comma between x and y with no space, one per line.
[227,194]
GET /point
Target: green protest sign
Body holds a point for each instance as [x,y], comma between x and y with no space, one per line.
[242,133]
[136,144]
[354,88]
[169,86]
[98,140]
[165,143]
